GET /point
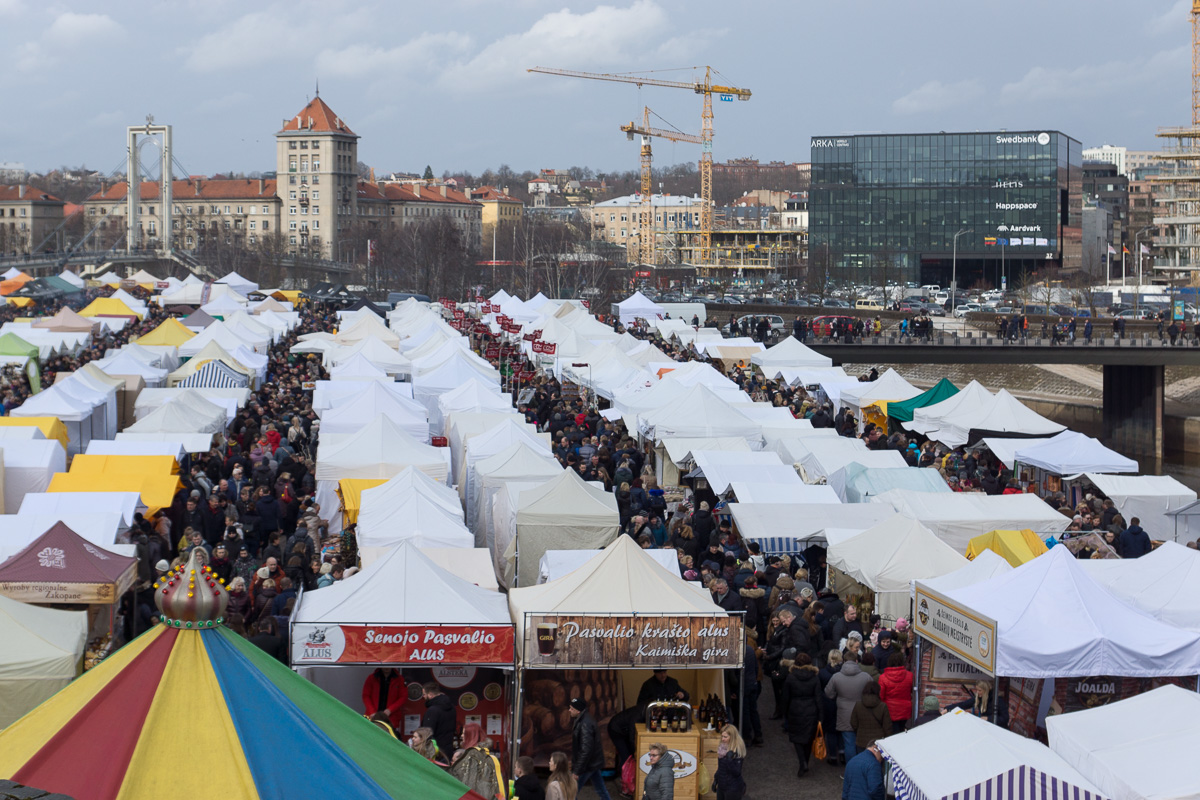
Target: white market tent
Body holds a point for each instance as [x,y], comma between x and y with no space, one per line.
[786,491]
[564,513]
[722,467]
[623,581]
[462,426]
[886,559]
[187,413]
[673,454]
[352,414]
[821,456]
[126,363]
[638,306]
[973,395]
[42,653]
[1161,583]
[190,442]
[473,565]
[556,564]
[789,353]
[358,368]
[1004,448]
[699,412]
[1070,453]
[380,449]
[1149,498]
[60,503]
[517,462]
[329,394]
[958,517]
[808,376]
[473,395]
[1053,620]
[376,503]
[18,531]
[105,447]
[788,527]
[984,566]
[960,756]
[890,387]
[429,386]
[1152,758]
[487,444]
[855,483]
[1004,414]
[416,518]
[28,467]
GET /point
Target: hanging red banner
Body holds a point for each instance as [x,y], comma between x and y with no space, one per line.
[402,644]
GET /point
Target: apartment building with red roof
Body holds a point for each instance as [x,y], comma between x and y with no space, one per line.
[28,215]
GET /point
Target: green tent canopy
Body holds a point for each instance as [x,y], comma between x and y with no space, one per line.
[903,410]
[13,345]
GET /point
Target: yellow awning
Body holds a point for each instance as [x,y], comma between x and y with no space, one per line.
[1016,547]
[157,491]
[20,302]
[108,307]
[351,490]
[51,427]
[170,332]
[134,465]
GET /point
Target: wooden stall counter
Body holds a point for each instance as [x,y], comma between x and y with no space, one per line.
[684,746]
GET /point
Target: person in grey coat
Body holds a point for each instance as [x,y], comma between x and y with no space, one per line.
[660,783]
[847,688]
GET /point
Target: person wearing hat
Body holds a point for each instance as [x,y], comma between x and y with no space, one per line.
[931,709]
[659,687]
[587,753]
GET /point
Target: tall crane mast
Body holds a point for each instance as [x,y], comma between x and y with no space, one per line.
[646,243]
[706,89]
[1195,63]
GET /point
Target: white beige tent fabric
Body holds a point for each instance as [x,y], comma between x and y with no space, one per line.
[564,513]
[352,415]
[788,490]
[519,461]
[1070,453]
[376,352]
[28,467]
[487,444]
[42,653]
[958,517]
[473,565]
[1003,414]
[721,467]
[1152,758]
[190,442]
[557,564]
[377,503]
[984,566]
[188,413]
[1161,583]
[786,527]
[623,581]
[699,412]
[887,558]
[416,518]
[890,387]
[1147,497]
[381,449]
[821,456]
[789,353]
[462,426]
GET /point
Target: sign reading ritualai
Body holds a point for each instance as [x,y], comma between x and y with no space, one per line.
[641,641]
[967,634]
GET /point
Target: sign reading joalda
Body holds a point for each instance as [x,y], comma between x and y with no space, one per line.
[641,641]
[965,633]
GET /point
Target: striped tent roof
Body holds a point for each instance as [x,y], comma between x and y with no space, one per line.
[215,375]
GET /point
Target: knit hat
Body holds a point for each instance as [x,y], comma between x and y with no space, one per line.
[806,592]
[264,573]
[162,565]
[930,704]
[784,582]
[579,704]
[901,625]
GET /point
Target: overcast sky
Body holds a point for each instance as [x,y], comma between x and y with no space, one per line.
[444,83]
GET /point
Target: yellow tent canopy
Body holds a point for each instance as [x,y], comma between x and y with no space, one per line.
[287,295]
[108,307]
[157,491]
[351,490]
[1016,547]
[134,465]
[51,427]
[877,413]
[20,302]
[170,333]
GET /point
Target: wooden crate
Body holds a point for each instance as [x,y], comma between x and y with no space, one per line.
[686,748]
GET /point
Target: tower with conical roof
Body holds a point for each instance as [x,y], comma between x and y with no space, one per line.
[317,162]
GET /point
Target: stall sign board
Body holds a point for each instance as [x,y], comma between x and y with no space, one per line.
[577,640]
[58,592]
[402,644]
[945,667]
[1097,690]
[965,633]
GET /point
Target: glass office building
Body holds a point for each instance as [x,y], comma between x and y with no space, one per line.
[890,205]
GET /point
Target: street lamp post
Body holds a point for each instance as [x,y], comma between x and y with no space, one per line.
[1138,296]
[954,267]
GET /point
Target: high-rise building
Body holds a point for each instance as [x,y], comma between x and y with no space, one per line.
[989,206]
[317,169]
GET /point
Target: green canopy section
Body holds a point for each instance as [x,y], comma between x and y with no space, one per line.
[903,410]
[13,345]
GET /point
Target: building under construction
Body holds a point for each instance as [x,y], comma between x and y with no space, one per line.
[1177,188]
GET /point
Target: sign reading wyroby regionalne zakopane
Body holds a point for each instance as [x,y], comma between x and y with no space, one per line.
[402,644]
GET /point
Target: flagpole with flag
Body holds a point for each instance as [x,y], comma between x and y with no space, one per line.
[1108,269]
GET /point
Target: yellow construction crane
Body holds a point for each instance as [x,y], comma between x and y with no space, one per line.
[646,249]
[1195,63]
[706,89]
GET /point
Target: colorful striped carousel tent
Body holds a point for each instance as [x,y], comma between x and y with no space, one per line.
[192,709]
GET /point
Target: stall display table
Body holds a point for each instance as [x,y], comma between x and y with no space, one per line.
[685,746]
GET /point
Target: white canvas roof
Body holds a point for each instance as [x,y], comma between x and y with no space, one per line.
[358,367]
[462,426]
[887,557]
[821,456]
[190,442]
[807,376]
[699,412]
[623,581]
[487,444]
[792,522]
[1004,414]
[474,395]
[953,755]
[562,513]
[984,566]
[124,363]
[855,483]
[229,398]
[42,653]
[60,503]
[721,467]
[958,517]
[329,394]
[1161,583]
[187,413]
[1053,620]
[28,467]
[1070,453]
[787,492]
[381,449]
[107,447]
[638,306]
[890,386]
[1005,448]
[1147,497]
[679,448]
[520,461]
[377,353]
[416,518]
[1153,758]
[351,415]
[224,306]
[973,395]
[409,482]
[789,353]
[556,564]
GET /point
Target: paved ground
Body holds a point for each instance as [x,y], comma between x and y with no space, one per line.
[771,769]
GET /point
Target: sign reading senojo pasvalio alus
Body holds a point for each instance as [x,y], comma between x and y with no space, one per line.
[554,640]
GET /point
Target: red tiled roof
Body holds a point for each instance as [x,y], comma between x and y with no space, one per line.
[319,118]
[369,191]
[32,194]
[240,189]
[490,193]
[410,193]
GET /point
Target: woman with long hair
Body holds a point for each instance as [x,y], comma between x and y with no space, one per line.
[562,784]
[731,752]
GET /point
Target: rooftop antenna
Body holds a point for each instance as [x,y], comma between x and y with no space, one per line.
[318,87]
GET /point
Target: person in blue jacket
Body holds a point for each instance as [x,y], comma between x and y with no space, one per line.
[864,776]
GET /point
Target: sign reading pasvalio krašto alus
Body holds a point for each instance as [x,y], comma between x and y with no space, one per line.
[965,633]
[643,641]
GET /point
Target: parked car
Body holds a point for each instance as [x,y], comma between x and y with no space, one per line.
[1137,313]
[776,321]
[967,308]
[934,309]
[833,302]
[868,305]
[823,325]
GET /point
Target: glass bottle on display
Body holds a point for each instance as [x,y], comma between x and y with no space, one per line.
[652,722]
[674,720]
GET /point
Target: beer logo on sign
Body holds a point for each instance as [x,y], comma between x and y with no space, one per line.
[985,644]
[685,763]
[923,613]
[316,646]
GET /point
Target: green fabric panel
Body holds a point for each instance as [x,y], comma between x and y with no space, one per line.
[903,410]
[389,762]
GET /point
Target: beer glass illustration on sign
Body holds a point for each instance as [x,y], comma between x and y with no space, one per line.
[547,639]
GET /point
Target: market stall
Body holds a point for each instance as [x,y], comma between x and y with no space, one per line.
[1152,499]
[597,632]
[42,653]
[405,611]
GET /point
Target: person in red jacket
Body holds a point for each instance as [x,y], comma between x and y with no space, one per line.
[895,689]
[383,695]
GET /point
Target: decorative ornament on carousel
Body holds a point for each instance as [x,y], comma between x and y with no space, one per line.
[191,596]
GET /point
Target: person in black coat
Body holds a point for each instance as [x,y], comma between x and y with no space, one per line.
[804,708]
[587,754]
[439,717]
[833,739]
[702,527]
[1133,542]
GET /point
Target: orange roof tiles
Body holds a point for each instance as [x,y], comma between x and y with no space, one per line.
[32,193]
[239,189]
[488,193]
[317,117]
